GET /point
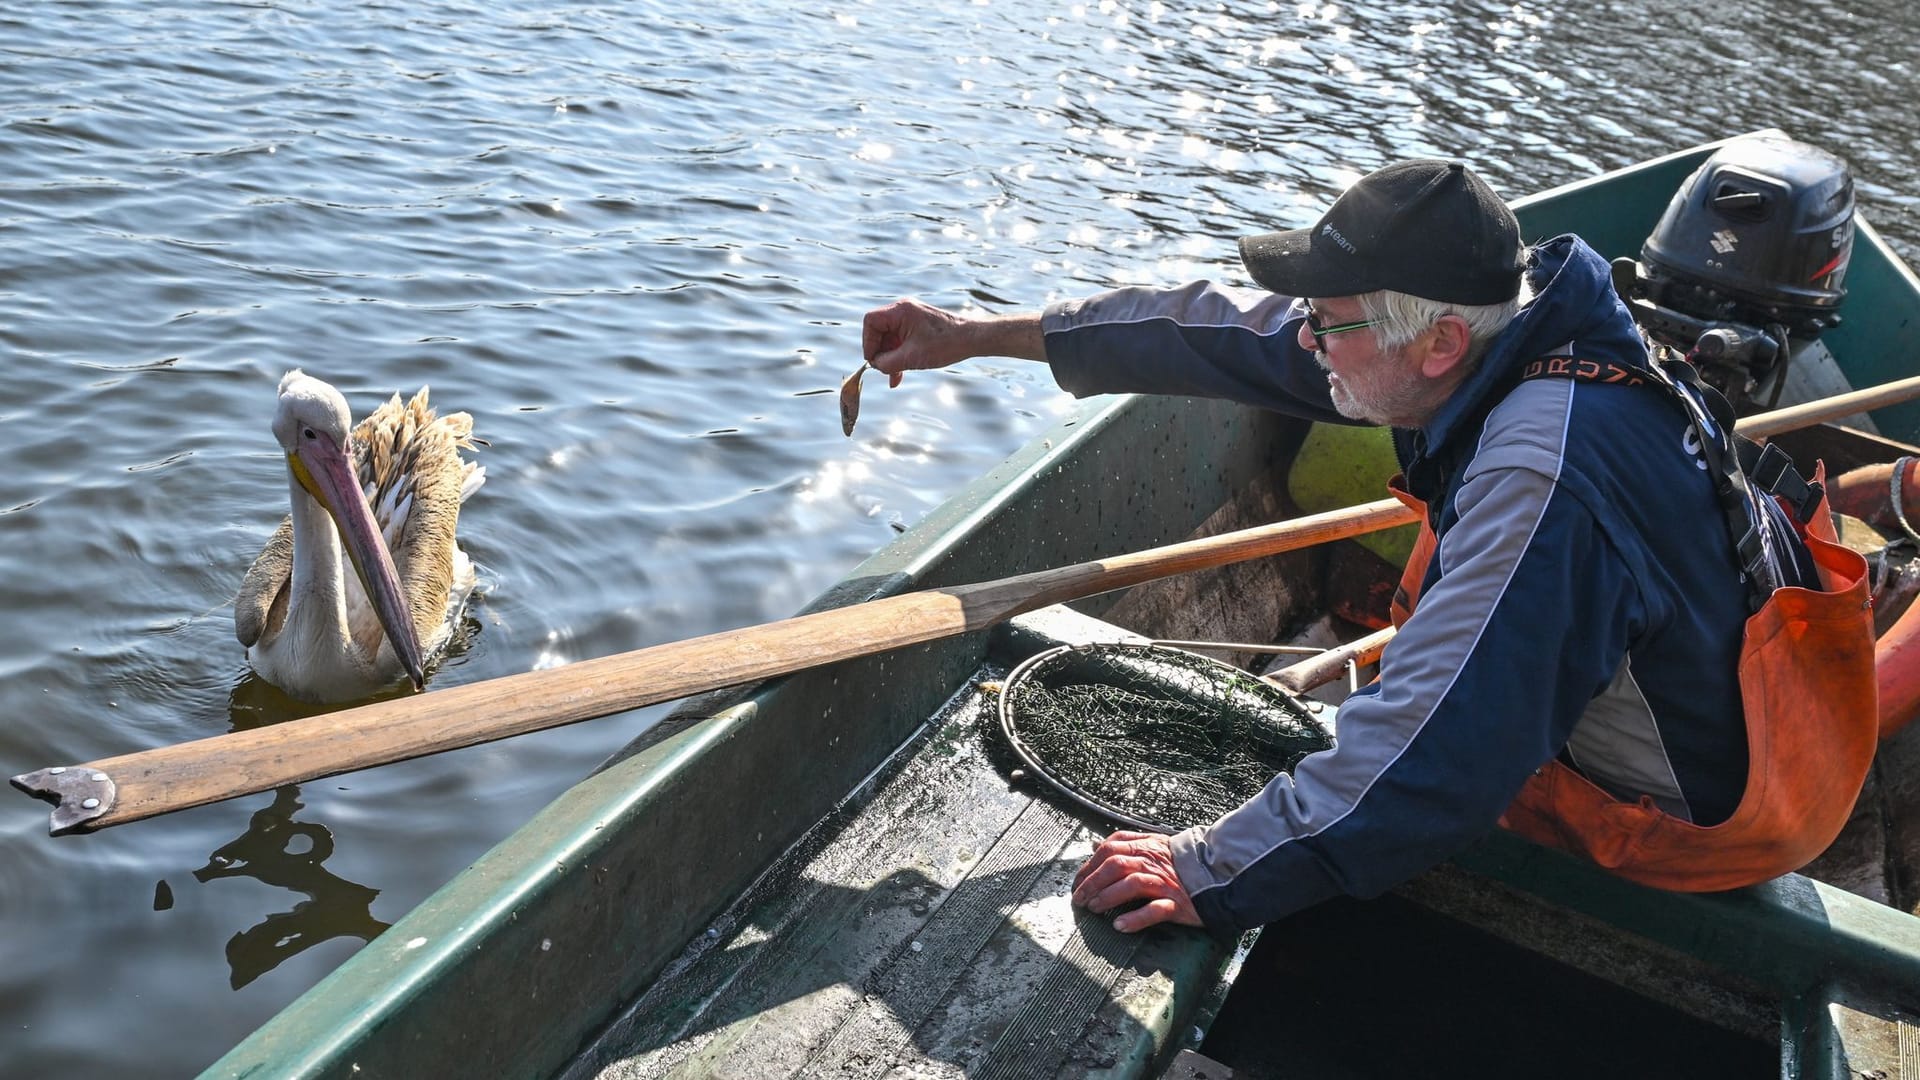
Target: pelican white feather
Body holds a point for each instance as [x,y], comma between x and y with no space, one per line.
[387,495]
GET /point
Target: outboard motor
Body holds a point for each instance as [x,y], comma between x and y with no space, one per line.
[1750,256]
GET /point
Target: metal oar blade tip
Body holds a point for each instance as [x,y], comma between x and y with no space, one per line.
[79,795]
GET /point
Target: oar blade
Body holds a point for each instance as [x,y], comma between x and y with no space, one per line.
[78,794]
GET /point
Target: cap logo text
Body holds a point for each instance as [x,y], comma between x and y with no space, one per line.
[1344,244]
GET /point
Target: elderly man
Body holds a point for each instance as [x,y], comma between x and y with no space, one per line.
[1573,668]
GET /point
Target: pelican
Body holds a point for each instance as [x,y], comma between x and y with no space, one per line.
[390,493]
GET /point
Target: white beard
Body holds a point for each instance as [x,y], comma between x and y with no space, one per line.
[1373,394]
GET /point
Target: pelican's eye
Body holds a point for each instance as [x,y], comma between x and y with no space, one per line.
[308,432]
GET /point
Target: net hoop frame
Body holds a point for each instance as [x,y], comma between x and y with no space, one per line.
[1086,800]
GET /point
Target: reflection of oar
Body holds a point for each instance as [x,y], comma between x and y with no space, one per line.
[131,787]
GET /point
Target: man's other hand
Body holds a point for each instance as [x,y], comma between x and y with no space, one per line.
[1130,866]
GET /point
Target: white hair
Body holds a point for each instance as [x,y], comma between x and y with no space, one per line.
[1399,318]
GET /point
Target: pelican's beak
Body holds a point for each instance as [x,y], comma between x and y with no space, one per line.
[323,469]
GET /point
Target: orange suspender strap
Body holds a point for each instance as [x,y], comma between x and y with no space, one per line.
[1415,572]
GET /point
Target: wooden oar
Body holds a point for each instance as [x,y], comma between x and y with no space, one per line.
[1793,417]
[131,787]
[113,791]
[1325,667]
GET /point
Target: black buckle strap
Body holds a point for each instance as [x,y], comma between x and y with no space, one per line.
[1738,465]
[1752,552]
[1769,468]
[1772,469]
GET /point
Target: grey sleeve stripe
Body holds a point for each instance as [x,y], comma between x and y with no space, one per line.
[1617,741]
[1500,512]
[1199,304]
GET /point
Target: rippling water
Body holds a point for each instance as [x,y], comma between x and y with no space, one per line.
[634,241]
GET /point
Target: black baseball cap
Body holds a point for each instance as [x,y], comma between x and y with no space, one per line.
[1426,228]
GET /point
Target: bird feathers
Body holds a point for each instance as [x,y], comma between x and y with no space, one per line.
[407,461]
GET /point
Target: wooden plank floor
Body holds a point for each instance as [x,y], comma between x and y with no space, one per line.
[923,930]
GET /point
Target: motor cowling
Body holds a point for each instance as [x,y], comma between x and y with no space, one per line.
[1750,255]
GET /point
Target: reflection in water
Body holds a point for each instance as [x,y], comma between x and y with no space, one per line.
[287,854]
[257,703]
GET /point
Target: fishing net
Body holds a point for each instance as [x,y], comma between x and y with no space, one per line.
[1151,737]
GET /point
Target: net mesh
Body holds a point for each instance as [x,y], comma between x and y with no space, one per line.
[1157,738]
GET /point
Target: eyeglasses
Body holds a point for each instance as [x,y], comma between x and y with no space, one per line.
[1321,333]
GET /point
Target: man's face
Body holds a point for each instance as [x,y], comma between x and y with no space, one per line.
[1367,382]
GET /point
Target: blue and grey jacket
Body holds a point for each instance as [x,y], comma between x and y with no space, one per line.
[1584,602]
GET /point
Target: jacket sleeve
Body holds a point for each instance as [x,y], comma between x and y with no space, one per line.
[1528,621]
[1201,340]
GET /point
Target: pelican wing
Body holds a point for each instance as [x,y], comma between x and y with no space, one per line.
[262,604]
[409,464]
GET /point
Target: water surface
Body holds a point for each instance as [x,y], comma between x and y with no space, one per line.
[634,242]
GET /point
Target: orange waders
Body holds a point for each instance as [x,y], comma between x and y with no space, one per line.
[1807,685]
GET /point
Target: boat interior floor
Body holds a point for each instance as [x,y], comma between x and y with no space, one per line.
[924,929]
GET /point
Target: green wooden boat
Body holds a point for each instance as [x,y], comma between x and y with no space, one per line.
[832,873]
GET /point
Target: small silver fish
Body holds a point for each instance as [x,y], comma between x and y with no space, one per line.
[850,399]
